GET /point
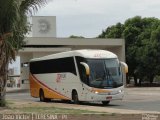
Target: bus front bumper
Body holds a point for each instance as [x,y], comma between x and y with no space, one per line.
[96,97]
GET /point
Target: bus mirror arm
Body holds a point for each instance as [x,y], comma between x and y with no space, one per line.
[86,67]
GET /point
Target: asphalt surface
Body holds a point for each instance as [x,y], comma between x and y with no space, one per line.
[145,99]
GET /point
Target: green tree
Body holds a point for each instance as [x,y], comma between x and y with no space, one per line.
[132,30]
[13,27]
[114,31]
[142,40]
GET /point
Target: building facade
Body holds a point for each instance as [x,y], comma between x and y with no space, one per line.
[44,42]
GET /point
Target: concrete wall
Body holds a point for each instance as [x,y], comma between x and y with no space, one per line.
[24,70]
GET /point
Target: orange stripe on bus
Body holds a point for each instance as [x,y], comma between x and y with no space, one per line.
[36,85]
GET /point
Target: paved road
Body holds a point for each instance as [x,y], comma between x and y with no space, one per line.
[146,99]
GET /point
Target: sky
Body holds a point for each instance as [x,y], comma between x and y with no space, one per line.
[89,17]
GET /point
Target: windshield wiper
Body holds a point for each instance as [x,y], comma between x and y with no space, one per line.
[99,79]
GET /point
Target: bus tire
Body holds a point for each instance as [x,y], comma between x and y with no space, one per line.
[75,97]
[105,102]
[41,96]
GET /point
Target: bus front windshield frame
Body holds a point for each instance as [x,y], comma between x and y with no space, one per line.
[105,73]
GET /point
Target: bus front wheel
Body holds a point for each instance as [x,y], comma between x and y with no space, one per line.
[105,102]
[75,97]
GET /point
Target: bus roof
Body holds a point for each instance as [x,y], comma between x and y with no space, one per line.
[86,53]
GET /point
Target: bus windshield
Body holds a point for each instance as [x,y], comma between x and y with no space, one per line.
[105,73]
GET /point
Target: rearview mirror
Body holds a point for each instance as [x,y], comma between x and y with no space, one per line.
[86,68]
[124,67]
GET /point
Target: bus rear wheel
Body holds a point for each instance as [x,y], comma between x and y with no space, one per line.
[41,96]
[75,97]
[105,102]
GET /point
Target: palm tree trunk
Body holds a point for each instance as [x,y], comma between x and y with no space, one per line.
[3,73]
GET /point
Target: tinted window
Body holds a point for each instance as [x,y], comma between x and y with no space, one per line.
[105,73]
[53,66]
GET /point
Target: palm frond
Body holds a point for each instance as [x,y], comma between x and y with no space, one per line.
[13,20]
[9,12]
[29,6]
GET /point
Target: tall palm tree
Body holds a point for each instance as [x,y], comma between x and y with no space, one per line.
[13,27]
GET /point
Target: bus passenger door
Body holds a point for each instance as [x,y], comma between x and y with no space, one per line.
[84,76]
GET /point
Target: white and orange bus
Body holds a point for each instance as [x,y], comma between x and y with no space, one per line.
[80,75]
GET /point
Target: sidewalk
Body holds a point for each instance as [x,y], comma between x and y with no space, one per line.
[143,91]
[15,90]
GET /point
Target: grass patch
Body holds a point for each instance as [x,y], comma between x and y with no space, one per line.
[5,103]
[8,102]
[52,110]
[38,108]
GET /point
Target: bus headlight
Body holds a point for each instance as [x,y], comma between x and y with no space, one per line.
[119,91]
[94,91]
